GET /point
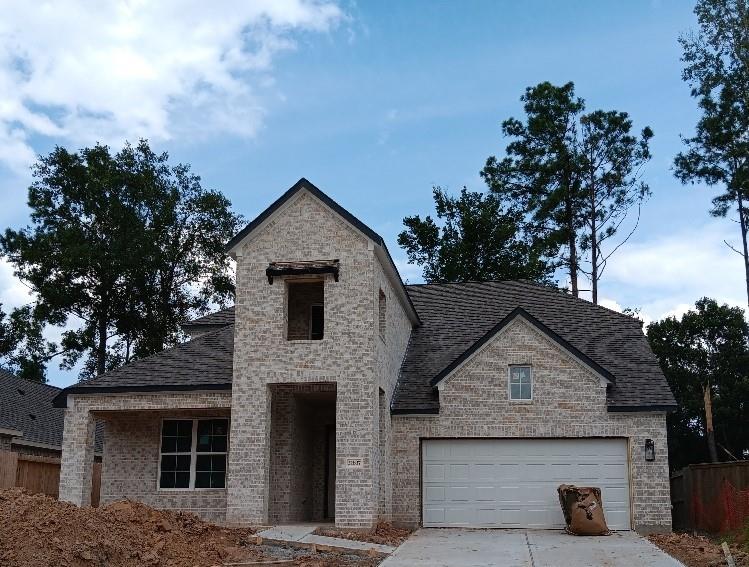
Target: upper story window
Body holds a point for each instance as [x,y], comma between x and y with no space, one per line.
[306,310]
[520,383]
[193,453]
[382,314]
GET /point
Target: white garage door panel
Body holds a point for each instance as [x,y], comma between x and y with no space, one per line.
[513,482]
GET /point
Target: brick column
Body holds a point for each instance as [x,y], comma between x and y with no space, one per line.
[77,459]
[249,457]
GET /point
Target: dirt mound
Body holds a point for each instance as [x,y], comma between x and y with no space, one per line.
[36,530]
[698,551]
[383,534]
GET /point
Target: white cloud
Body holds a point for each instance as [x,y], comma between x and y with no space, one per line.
[665,275]
[85,71]
[13,293]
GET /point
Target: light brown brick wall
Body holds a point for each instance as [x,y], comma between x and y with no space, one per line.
[568,401]
[131,448]
[305,229]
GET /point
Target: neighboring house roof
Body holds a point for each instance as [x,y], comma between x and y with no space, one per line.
[456,320]
[26,407]
[455,317]
[21,399]
[379,243]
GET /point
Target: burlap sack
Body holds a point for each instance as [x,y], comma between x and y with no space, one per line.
[583,510]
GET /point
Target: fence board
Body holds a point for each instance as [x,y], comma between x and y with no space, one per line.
[39,474]
[699,498]
[8,461]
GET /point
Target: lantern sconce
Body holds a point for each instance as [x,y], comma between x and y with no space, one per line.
[649,450]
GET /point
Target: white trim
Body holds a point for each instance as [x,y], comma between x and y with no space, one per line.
[193,453]
[509,383]
[603,381]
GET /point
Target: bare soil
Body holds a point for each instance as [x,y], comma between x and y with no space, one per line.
[38,531]
[383,534]
[699,551]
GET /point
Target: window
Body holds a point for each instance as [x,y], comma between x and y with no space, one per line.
[521,383]
[193,453]
[305,310]
[383,314]
[316,322]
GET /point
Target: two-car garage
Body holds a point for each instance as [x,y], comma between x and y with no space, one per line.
[512,483]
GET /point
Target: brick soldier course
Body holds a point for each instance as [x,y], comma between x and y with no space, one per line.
[333,427]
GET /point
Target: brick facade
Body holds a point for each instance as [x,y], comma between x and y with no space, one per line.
[349,356]
[568,401]
[131,448]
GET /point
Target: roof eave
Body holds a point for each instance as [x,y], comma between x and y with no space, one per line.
[61,399]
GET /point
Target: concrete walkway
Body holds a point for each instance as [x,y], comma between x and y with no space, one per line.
[521,548]
[302,533]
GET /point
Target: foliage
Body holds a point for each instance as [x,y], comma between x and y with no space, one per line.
[717,69]
[475,240]
[706,350]
[573,176]
[122,249]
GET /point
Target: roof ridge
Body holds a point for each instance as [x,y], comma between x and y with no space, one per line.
[533,284]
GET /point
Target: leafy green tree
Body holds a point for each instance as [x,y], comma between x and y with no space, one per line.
[705,357]
[475,240]
[123,248]
[23,347]
[574,176]
[716,60]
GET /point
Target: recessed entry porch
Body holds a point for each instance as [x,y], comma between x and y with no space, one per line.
[302,453]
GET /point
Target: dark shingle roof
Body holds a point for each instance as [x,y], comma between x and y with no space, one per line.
[456,316]
[216,319]
[20,400]
[202,363]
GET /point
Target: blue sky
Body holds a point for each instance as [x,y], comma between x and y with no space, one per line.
[374,102]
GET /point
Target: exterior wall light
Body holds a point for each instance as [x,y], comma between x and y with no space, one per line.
[649,450]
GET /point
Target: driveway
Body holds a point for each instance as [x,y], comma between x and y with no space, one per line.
[520,548]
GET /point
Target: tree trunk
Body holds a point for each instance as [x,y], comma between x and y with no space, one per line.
[593,243]
[742,223]
[709,431]
[571,242]
[101,348]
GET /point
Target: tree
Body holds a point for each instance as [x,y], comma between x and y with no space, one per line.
[717,70]
[475,240]
[23,347]
[573,176]
[705,357]
[122,248]
[611,164]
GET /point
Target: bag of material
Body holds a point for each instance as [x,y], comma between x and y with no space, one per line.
[583,510]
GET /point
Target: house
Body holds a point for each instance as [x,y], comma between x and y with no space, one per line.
[29,423]
[332,391]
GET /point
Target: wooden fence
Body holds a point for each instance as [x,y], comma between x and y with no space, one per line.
[39,474]
[711,497]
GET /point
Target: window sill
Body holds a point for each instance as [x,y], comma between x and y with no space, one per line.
[304,341]
[521,402]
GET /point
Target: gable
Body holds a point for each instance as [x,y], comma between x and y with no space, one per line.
[315,200]
[514,324]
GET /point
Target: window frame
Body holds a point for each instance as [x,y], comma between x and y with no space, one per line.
[509,383]
[193,452]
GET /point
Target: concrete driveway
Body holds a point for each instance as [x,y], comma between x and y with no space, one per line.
[520,548]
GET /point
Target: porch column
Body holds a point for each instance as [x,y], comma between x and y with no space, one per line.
[249,456]
[77,461]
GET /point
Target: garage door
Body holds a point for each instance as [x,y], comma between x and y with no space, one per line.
[512,483]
